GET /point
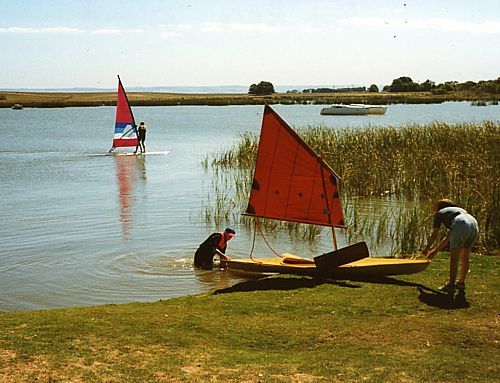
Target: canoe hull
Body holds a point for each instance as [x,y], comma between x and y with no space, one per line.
[367,267]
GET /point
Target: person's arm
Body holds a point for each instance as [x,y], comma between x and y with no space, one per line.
[222,256]
[430,242]
[214,241]
[439,247]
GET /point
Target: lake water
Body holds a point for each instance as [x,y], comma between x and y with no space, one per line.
[81,229]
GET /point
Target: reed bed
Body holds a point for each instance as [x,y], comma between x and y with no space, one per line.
[389,176]
[94,99]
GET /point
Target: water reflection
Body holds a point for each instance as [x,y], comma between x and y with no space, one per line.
[128,168]
[215,279]
[141,167]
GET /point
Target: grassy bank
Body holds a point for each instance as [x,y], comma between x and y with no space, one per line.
[389,175]
[280,329]
[58,100]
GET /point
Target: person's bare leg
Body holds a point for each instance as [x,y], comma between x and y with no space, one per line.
[454,255]
[464,270]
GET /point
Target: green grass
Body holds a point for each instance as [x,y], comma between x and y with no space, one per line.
[280,329]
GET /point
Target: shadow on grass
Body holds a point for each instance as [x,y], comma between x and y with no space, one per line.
[426,295]
[443,300]
[280,283]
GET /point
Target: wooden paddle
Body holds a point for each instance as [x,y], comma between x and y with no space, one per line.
[329,261]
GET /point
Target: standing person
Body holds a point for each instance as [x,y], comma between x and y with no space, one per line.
[141,137]
[462,234]
[216,243]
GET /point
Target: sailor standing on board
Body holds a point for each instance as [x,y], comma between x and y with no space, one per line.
[216,243]
[141,135]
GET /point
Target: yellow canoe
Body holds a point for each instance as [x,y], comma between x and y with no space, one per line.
[366,267]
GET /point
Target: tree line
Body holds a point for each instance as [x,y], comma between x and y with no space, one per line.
[406,84]
[400,84]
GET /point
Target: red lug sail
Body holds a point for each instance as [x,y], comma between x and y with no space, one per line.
[291,182]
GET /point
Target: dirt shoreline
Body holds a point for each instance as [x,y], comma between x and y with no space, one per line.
[93,99]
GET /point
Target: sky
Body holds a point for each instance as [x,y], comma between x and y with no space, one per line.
[73,43]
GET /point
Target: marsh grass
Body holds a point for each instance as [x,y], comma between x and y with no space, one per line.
[397,169]
[81,99]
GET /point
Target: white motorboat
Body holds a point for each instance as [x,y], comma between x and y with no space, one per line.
[373,109]
[344,109]
[354,109]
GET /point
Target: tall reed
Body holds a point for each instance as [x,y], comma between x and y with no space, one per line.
[410,163]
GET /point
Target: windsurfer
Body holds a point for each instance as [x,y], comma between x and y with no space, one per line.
[141,135]
[216,243]
[462,235]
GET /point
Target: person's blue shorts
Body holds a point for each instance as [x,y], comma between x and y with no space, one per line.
[464,232]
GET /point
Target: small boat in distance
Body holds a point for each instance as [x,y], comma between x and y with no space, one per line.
[344,109]
[353,109]
[373,109]
[17,106]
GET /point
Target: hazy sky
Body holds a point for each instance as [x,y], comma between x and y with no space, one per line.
[230,42]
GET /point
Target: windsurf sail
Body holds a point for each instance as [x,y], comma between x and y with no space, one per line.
[291,182]
[125,127]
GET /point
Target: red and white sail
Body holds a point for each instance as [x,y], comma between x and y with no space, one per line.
[125,128]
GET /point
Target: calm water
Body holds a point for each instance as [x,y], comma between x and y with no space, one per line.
[82,229]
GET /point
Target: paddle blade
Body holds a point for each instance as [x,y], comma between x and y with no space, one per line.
[329,261]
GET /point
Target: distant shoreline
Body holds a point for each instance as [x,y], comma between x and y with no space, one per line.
[93,99]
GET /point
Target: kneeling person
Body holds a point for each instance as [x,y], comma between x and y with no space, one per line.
[216,243]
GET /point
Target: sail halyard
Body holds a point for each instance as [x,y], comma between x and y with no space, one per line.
[291,182]
[125,134]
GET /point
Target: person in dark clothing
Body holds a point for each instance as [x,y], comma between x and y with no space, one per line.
[141,138]
[462,235]
[216,243]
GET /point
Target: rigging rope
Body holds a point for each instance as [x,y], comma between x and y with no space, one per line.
[254,236]
[267,243]
[256,227]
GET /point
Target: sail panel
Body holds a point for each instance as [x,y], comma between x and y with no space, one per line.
[125,128]
[291,182]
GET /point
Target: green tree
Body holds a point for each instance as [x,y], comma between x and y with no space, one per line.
[373,88]
[467,86]
[262,88]
[448,86]
[404,84]
[427,85]
[492,86]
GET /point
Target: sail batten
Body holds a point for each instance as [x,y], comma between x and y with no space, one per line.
[125,128]
[291,182]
